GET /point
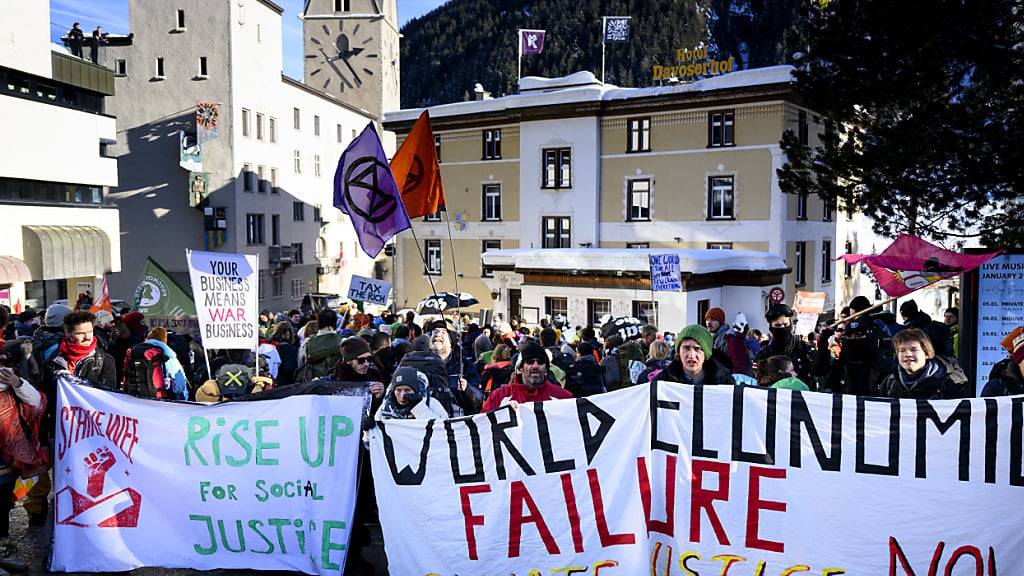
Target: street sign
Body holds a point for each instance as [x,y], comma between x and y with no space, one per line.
[369,290]
[777,295]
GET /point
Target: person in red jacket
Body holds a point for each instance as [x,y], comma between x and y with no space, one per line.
[530,383]
[727,342]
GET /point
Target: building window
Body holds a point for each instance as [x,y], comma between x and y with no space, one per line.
[342,5]
[203,70]
[555,306]
[847,267]
[299,211]
[120,67]
[320,248]
[340,132]
[273,181]
[316,165]
[437,147]
[596,309]
[492,144]
[298,288]
[492,203]
[273,130]
[721,198]
[316,214]
[826,211]
[248,181]
[297,162]
[719,245]
[259,126]
[297,251]
[486,271]
[296,119]
[720,128]
[245,121]
[254,229]
[277,285]
[275,229]
[801,263]
[802,127]
[557,232]
[435,217]
[637,245]
[316,125]
[801,206]
[646,311]
[557,168]
[638,135]
[181,20]
[638,201]
[159,68]
[826,261]
[432,249]
[702,308]
[261,179]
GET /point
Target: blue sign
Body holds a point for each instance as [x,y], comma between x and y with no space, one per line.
[665,276]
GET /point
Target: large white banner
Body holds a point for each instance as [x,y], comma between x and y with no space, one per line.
[681,480]
[226,291]
[264,485]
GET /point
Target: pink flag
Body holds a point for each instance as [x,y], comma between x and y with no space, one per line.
[910,263]
[531,41]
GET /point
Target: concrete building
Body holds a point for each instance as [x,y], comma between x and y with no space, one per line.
[268,174]
[58,233]
[570,163]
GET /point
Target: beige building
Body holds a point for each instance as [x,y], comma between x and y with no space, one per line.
[572,163]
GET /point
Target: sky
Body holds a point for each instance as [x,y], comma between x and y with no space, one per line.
[112,15]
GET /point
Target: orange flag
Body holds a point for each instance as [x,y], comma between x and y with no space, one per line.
[103,302]
[417,172]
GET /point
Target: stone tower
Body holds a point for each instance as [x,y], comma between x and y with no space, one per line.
[351,52]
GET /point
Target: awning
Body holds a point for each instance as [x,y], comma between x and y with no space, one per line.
[58,252]
[13,270]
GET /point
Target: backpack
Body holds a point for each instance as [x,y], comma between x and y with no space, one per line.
[628,353]
[322,354]
[561,359]
[584,378]
[234,380]
[144,374]
[431,365]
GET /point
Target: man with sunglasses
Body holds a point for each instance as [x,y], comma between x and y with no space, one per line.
[530,383]
[357,365]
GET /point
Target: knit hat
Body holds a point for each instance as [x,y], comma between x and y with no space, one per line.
[134,322]
[533,351]
[1014,344]
[697,333]
[778,311]
[740,325]
[157,333]
[715,314]
[353,348]
[55,315]
[28,316]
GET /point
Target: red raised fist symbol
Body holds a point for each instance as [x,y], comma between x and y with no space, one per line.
[97,464]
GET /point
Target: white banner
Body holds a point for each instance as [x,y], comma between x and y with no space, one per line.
[369,290]
[266,485]
[225,289]
[682,480]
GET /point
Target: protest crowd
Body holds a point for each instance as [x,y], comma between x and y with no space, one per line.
[439,367]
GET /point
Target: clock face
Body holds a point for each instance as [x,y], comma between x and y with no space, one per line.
[342,58]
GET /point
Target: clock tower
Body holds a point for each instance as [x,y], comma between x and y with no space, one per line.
[351,52]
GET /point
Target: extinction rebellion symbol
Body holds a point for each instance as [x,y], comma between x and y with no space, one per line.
[363,178]
[415,177]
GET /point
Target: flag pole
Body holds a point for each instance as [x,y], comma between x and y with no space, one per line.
[419,250]
[520,54]
[458,295]
[604,26]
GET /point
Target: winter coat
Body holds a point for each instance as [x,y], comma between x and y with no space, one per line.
[714,373]
[727,341]
[519,392]
[941,379]
[798,351]
[289,354]
[1004,380]
[496,375]
[472,397]
[173,369]
[653,365]
[586,377]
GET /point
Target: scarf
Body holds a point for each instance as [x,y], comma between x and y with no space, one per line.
[74,353]
[19,433]
[910,382]
[392,410]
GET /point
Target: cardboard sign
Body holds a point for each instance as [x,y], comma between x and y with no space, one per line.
[266,485]
[808,305]
[665,275]
[682,480]
[369,290]
[224,287]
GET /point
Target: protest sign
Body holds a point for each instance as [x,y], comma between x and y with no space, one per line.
[666,478]
[265,485]
[369,290]
[665,273]
[225,290]
[808,305]
[1000,309]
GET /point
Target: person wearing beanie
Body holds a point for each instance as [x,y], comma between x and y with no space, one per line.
[55,314]
[692,360]
[27,323]
[784,343]
[530,383]
[727,342]
[134,322]
[357,365]
[1006,377]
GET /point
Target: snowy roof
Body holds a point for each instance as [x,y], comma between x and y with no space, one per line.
[584,87]
[692,261]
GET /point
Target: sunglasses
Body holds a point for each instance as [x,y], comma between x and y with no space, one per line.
[363,359]
[533,361]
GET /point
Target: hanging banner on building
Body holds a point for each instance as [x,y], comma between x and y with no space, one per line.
[207,121]
[369,290]
[665,276]
[687,480]
[191,155]
[198,188]
[1000,309]
[266,485]
[226,293]
[808,305]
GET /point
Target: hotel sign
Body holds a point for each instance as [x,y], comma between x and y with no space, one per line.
[693,63]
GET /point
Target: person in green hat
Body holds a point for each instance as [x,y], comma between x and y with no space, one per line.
[692,362]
